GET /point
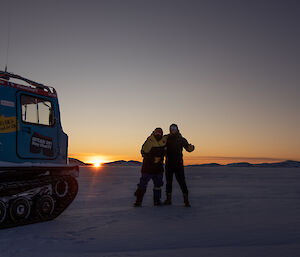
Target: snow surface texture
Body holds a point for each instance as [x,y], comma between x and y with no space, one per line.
[239,212]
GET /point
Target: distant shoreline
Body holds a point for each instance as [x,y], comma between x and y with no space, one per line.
[132,163]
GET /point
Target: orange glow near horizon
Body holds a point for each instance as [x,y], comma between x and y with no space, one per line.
[98,160]
[92,158]
[210,147]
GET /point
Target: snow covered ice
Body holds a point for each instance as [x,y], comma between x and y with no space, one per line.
[235,212]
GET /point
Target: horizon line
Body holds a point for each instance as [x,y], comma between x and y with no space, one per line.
[284,160]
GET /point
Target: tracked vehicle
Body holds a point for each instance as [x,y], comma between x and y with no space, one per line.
[36,181]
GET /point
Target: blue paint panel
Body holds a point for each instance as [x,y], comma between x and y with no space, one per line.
[7,139]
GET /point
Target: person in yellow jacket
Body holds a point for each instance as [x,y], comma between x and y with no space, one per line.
[152,168]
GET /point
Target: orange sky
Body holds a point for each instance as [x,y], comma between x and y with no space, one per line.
[94,158]
[210,146]
[225,138]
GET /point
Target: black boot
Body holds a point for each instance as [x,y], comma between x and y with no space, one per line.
[186,200]
[139,193]
[168,201]
[157,196]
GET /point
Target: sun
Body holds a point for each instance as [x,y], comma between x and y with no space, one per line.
[97,163]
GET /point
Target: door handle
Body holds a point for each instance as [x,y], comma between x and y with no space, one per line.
[26,130]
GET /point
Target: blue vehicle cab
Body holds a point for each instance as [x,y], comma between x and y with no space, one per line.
[33,154]
[30,124]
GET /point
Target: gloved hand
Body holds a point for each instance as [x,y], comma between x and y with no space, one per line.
[190,148]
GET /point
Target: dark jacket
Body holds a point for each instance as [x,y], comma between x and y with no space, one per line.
[175,145]
[153,152]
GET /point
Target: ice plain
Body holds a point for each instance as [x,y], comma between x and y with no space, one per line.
[235,212]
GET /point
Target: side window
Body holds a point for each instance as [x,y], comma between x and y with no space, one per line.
[37,110]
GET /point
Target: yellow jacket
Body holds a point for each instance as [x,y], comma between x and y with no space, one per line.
[153,152]
[152,142]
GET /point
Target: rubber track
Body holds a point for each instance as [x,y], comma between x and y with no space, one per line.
[11,188]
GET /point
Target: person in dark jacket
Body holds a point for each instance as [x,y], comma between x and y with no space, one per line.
[152,167]
[174,163]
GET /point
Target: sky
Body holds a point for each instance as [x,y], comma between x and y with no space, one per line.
[227,72]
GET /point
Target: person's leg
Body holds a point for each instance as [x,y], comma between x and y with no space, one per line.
[180,177]
[158,183]
[142,186]
[169,181]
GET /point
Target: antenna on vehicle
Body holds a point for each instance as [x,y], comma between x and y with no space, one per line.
[8,34]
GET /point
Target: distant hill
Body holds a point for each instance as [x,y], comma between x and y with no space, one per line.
[205,165]
[285,164]
[239,164]
[77,162]
[122,163]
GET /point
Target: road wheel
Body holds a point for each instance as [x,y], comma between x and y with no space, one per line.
[20,209]
[2,211]
[45,206]
[61,188]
